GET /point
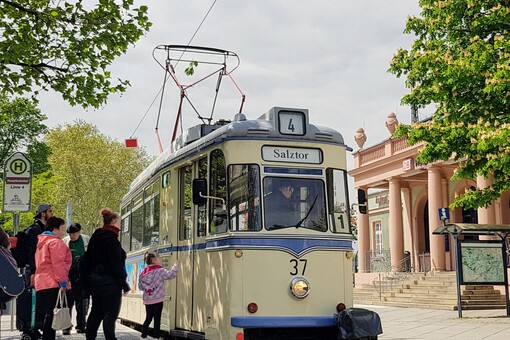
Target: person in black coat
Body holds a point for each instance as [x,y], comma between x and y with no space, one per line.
[42,214]
[105,263]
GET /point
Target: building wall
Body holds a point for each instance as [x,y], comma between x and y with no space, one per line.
[419,190]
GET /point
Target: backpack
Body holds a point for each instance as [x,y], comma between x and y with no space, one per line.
[21,252]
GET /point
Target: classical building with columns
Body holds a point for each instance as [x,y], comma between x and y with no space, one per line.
[404,198]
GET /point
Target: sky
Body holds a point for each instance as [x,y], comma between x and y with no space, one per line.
[330,57]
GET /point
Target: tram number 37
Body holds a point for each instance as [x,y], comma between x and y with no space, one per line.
[298,266]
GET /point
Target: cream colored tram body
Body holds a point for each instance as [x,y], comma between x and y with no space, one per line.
[248,269]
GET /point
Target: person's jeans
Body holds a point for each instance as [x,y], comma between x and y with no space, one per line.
[152,311]
[105,308]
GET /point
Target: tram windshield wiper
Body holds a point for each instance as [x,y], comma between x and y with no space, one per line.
[297,225]
[280,226]
[307,213]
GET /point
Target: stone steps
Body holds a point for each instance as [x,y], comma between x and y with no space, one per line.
[436,291]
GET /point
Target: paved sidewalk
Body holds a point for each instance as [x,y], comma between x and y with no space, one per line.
[122,332]
[422,324]
[398,324]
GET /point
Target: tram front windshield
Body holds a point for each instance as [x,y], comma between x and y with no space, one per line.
[294,202]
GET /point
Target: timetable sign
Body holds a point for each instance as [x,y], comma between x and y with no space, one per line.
[17,193]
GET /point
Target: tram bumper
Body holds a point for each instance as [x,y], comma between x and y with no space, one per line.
[357,323]
[286,327]
[282,321]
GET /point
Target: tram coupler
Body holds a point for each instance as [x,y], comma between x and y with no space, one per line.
[358,323]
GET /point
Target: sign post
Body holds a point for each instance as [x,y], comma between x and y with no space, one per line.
[69,214]
[17,183]
[17,193]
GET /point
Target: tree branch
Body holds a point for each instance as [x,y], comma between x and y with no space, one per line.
[21,8]
[39,66]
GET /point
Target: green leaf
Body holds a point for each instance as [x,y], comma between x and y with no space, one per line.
[459,62]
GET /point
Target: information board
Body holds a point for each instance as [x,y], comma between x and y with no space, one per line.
[482,262]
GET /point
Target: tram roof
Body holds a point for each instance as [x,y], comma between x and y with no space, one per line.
[265,127]
[473,229]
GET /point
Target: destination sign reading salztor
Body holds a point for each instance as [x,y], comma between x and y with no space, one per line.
[291,155]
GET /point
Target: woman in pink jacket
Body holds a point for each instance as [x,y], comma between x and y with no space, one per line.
[53,260]
[152,282]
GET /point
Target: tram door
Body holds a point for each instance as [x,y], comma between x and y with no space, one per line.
[192,230]
[184,305]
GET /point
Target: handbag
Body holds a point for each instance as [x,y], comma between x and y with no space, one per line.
[61,314]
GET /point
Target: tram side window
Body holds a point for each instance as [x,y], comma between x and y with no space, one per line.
[186,203]
[338,201]
[151,229]
[244,197]
[202,209]
[218,188]
[125,235]
[155,214]
[137,223]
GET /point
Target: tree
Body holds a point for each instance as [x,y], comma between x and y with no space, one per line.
[21,126]
[90,170]
[21,123]
[67,46]
[38,152]
[460,61]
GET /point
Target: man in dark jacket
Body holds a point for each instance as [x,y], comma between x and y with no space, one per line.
[105,263]
[42,215]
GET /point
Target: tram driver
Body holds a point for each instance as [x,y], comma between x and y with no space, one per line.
[280,210]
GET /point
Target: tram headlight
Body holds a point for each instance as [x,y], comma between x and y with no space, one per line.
[300,287]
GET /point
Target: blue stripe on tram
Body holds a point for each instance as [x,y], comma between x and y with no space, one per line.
[291,245]
[294,246]
[282,321]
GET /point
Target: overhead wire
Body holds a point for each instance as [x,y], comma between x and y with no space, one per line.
[166,75]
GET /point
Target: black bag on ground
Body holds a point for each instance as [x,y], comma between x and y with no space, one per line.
[356,323]
[24,307]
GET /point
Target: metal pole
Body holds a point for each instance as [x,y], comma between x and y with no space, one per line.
[69,214]
[505,263]
[15,223]
[457,274]
[380,287]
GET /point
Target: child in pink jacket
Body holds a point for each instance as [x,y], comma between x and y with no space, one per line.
[152,282]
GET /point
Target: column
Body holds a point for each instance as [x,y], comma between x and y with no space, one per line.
[437,249]
[363,241]
[486,215]
[408,223]
[395,226]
